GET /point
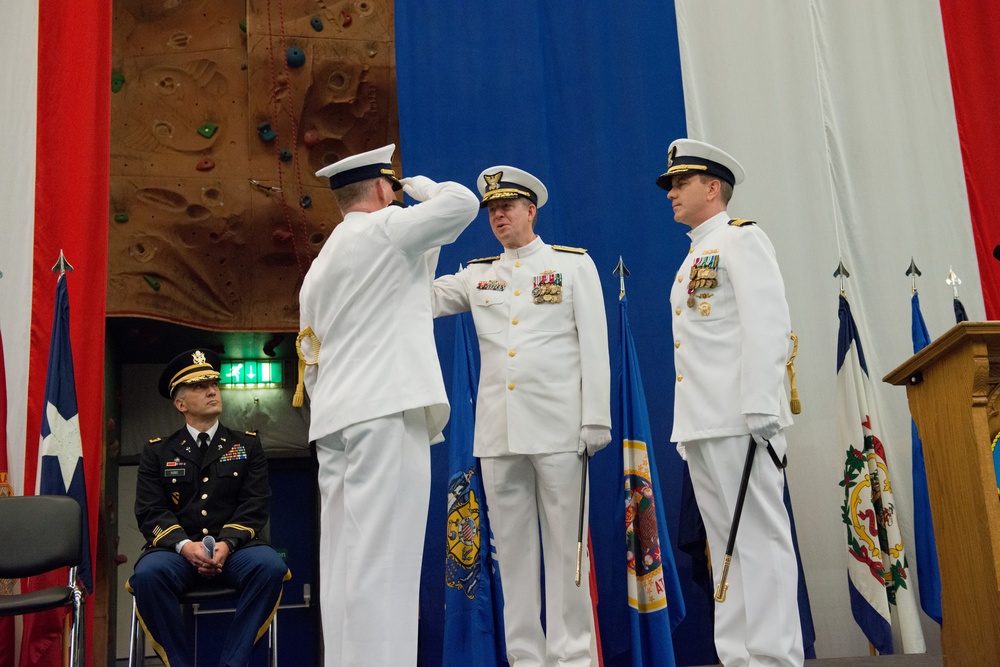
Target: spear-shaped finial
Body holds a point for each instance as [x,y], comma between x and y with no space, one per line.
[953,280]
[62,266]
[913,272]
[841,273]
[622,273]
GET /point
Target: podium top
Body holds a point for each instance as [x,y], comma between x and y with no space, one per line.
[959,334]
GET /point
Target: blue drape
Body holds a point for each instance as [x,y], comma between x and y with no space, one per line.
[586,96]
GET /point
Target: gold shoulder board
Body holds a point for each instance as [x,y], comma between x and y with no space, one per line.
[152,440]
[566,248]
[483,260]
[740,222]
[251,432]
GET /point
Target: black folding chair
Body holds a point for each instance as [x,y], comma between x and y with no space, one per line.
[41,534]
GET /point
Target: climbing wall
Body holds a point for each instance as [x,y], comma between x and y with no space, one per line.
[222,111]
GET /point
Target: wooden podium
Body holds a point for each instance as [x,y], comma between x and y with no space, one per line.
[953,387]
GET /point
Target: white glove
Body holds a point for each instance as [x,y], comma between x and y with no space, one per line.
[420,188]
[762,427]
[593,439]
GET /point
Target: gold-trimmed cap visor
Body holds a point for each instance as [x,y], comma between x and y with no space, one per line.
[691,156]
[187,368]
[506,182]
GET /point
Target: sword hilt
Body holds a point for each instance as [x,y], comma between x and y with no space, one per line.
[720,592]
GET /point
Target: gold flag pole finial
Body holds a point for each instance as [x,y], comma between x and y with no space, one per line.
[953,280]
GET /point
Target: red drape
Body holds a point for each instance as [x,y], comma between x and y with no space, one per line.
[974,61]
[71,214]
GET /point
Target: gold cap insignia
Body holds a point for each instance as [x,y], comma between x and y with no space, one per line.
[670,157]
[198,357]
[493,180]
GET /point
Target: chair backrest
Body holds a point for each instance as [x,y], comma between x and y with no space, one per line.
[38,534]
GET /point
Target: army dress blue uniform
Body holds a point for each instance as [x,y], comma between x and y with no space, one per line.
[184,494]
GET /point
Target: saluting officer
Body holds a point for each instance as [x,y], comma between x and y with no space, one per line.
[544,399]
[377,400]
[204,480]
[731,338]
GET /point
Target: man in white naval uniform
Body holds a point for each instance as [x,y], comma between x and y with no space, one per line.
[543,402]
[731,338]
[377,401]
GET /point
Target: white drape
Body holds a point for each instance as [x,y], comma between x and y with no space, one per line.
[842,114]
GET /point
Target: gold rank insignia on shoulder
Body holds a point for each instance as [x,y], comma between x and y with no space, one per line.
[740,222]
[152,440]
[566,248]
[251,432]
[483,260]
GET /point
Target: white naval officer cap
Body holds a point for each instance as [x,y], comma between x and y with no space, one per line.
[361,167]
[689,155]
[506,182]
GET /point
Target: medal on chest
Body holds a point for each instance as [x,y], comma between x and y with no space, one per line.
[547,288]
[704,273]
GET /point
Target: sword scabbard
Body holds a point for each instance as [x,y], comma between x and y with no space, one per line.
[720,592]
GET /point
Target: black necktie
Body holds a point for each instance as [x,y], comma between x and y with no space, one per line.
[203,441]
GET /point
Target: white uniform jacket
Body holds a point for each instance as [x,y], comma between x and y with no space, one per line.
[367,296]
[545,369]
[731,342]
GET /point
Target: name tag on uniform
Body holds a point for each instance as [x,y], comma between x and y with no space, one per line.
[174,468]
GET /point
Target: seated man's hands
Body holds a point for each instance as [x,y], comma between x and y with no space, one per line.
[194,553]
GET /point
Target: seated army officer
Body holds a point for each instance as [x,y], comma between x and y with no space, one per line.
[203,481]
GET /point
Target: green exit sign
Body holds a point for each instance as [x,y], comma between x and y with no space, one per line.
[250,373]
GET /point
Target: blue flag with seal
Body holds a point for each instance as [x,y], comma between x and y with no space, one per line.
[656,605]
[473,621]
[60,453]
[929,582]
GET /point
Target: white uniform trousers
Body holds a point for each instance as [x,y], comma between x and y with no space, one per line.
[525,493]
[374,480]
[758,624]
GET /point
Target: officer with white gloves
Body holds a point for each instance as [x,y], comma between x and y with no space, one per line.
[731,341]
[544,400]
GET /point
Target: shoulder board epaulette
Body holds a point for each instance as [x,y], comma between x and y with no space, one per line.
[251,432]
[152,440]
[740,222]
[566,248]
[483,260]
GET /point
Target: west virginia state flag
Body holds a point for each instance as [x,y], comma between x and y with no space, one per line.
[654,592]
[473,624]
[878,572]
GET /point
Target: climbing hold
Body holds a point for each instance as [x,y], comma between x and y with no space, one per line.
[265,132]
[152,282]
[205,164]
[316,23]
[295,57]
[281,236]
[243,24]
[117,80]
[207,130]
[285,155]
[310,138]
[121,217]
[345,19]
[306,201]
